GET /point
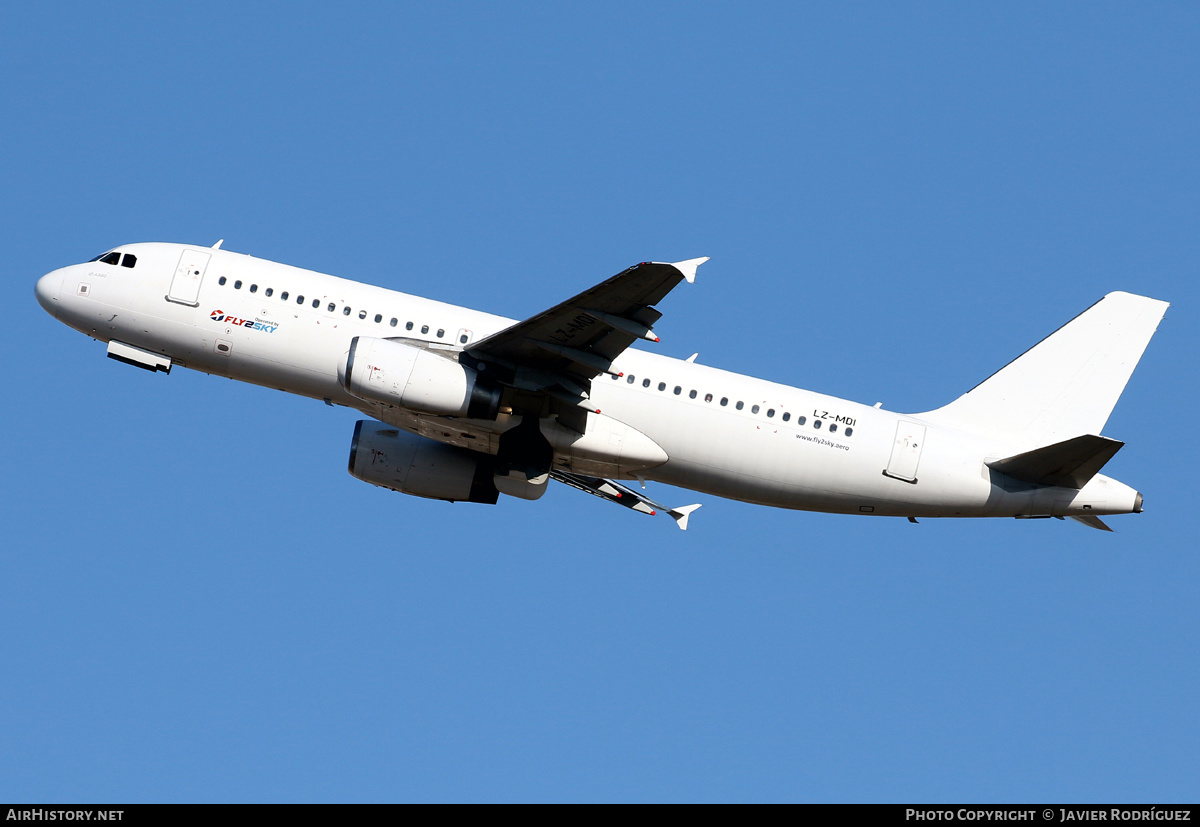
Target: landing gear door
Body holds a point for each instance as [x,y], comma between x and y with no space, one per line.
[185,286]
[906,451]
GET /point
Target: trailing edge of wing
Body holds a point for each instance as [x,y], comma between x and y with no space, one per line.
[1070,463]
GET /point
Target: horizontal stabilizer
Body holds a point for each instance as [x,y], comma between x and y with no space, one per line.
[1070,463]
[1091,522]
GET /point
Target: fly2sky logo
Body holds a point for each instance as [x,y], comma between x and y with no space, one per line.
[253,324]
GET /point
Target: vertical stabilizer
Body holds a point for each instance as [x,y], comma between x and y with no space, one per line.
[1068,383]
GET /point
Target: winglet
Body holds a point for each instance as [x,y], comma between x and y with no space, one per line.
[680,515]
[217,246]
[688,268]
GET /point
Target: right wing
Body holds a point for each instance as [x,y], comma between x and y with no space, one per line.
[575,341]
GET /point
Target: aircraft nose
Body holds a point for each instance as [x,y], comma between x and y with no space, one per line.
[47,291]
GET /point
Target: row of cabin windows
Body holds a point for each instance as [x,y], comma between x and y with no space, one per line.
[740,405]
[346,311]
[127,260]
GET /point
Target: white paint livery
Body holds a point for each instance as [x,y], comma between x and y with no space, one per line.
[471,405]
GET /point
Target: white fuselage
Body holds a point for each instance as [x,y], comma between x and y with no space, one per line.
[723,433]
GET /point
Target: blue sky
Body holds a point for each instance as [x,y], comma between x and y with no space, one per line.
[199,603]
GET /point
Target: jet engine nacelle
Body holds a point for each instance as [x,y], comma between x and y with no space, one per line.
[412,464]
[395,373]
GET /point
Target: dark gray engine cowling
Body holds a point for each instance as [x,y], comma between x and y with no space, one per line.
[411,464]
[395,373]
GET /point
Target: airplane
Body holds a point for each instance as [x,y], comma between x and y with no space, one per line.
[466,406]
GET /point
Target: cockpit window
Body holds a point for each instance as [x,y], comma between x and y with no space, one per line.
[115,258]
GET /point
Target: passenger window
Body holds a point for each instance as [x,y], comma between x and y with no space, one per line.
[462,340]
[394,321]
[692,395]
[615,376]
[817,424]
[441,333]
[254,288]
[662,386]
[316,304]
[645,383]
[630,378]
[362,314]
[800,420]
[378,318]
[708,397]
[678,390]
[408,326]
[221,281]
[849,432]
[754,409]
[299,300]
[424,328]
[346,310]
[283,296]
[724,401]
[270,291]
[237,285]
[129,261]
[111,258]
[740,405]
[833,427]
[330,307]
[770,412]
[786,416]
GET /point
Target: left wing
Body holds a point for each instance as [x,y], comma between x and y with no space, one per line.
[614,492]
[572,343]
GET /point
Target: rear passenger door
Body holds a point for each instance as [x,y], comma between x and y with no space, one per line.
[906,451]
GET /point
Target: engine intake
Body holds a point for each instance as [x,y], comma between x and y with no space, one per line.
[395,373]
[412,464]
